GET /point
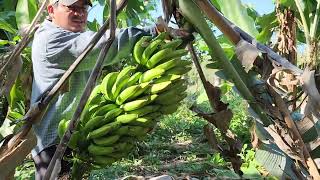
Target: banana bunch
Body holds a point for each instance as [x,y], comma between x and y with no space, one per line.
[127,104]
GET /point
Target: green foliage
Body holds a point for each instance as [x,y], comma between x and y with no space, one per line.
[249,166]
[25,12]
[238,15]
[241,122]
[216,160]
[25,171]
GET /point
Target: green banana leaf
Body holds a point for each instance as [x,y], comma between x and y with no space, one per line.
[237,13]
[25,12]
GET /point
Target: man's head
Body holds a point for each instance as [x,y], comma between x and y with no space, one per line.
[69,14]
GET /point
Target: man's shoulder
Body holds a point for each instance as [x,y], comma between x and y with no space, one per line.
[49,30]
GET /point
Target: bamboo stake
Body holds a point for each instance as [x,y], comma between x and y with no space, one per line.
[89,86]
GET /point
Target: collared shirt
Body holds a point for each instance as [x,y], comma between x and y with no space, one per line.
[54,49]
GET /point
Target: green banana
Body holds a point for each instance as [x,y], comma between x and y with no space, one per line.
[62,127]
[137,131]
[157,57]
[102,111]
[179,70]
[126,118]
[100,150]
[167,95]
[123,146]
[93,123]
[170,98]
[169,64]
[103,160]
[106,141]
[139,47]
[150,50]
[169,77]
[169,109]
[73,142]
[158,87]
[121,131]
[139,103]
[143,122]
[127,138]
[145,110]
[103,130]
[142,89]
[88,113]
[127,93]
[175,54]
[179,85]
[161,36]
[184,63]
[134,79]
[151,74]
[154,115]
[172,44]
[94,94]
[107,84]
[121,81]
[111,115]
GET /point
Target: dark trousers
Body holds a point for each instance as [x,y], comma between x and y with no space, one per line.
[42,161]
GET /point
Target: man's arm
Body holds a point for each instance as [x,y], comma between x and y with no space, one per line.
[62,45]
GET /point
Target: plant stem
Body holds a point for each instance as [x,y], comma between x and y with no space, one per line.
[304,22]
[78,169]
[314,25]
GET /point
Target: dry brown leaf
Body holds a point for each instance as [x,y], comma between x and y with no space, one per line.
[9,160]
[304,125]
[313,144]
[285,142]
[312,108]
[309,85]
[10,76]
[247,54]
[211,137]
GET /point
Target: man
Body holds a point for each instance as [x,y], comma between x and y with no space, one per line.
[56,45]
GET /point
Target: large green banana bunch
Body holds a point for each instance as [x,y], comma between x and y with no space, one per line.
[127,104]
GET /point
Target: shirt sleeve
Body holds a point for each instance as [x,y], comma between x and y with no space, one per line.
[63,48]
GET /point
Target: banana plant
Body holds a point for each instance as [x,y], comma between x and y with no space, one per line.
[15,86]
[268,106]
[308,19]
[136,13]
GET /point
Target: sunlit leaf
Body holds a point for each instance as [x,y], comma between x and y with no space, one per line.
[6,26]
[237,13]
[266,23]
[25,12]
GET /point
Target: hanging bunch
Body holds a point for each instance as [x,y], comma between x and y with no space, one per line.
[126,106]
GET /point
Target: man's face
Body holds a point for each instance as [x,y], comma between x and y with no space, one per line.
[72,18]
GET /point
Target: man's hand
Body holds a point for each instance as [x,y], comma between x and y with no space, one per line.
[183,34]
